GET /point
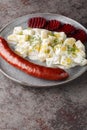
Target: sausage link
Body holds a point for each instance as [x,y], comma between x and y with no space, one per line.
[28,67]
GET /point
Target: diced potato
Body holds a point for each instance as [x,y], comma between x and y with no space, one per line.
[84,62]
[81,53]
[42,56]
[44,34]
[60,35]
[80,45]
[63,48]
[68,60]
[12,38]
[28,32]
[22,50]
[23,38]
[70,41]
[18,30]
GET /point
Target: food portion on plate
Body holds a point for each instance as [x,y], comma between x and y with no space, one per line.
[28,67]
[58,45]
[54,48]
[58,26]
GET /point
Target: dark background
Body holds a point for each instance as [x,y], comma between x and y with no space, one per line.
[60,108]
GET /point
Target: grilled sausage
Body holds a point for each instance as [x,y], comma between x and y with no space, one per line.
[28,67]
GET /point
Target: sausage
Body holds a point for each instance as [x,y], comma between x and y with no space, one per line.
[28,67]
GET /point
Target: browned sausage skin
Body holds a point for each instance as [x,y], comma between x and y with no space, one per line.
[30,68]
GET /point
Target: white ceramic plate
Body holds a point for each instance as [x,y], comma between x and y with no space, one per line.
[22,77]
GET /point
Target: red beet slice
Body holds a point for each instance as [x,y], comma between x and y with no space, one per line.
[67,28]
[36,22]
[80,35]
[52,25]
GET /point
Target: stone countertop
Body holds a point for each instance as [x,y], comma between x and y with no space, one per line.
[59,108]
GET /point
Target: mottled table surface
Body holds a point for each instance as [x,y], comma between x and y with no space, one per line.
[60,108]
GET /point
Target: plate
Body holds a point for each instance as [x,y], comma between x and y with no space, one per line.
[23,78]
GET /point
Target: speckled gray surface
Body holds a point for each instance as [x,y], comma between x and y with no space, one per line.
[60,108]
